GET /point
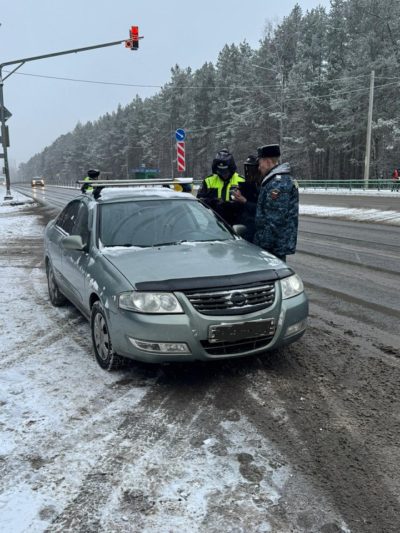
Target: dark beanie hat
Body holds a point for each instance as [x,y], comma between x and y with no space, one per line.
[251,161]
[270,150]
[223,161]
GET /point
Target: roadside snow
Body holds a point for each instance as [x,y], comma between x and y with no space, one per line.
[18,201]
[350,192]
[366,215]
[57,406]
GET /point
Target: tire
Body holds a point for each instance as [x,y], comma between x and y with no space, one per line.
[56,296]
[103,350]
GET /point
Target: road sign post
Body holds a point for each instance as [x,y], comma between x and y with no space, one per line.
[180,156]
[180,136]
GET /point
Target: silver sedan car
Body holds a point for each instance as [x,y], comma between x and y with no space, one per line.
[162,278]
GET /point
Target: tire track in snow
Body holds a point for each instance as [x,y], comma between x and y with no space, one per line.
[190,459]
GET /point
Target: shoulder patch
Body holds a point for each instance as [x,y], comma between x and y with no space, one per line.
[296,183]
[275,194]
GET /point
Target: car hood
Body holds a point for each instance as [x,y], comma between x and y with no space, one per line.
[191,260]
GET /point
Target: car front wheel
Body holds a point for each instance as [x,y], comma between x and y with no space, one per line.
[56,296]
[103,350]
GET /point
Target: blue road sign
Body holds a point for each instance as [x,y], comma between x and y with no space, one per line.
[180,135]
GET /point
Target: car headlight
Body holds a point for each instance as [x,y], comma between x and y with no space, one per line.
[149,302]
[291,286]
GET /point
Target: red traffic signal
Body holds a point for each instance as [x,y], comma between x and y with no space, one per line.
[133,41]
[134,37]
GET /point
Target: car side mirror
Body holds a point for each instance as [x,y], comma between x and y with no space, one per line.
[73,242]
[240,229]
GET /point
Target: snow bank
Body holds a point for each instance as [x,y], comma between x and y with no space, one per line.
[366,215]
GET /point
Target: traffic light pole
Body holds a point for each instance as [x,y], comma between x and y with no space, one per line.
[3,117]
[6,169]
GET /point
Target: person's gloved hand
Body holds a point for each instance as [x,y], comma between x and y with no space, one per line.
[237,196]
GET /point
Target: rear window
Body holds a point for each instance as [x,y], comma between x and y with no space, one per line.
[158,222]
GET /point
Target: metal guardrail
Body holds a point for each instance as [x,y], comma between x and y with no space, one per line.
[380,184]
[374,184]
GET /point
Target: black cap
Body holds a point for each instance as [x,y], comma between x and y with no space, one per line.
[269,150]
[93,173]
[251,161]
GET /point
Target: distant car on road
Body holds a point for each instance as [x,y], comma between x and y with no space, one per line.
[162,278]
[37,182]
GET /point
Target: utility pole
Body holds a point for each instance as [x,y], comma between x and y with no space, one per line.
[282,109]
[132,43]
[369,130]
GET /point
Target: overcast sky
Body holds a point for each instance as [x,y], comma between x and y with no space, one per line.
[186,33]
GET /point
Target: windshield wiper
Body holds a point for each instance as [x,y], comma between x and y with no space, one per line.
[172,243]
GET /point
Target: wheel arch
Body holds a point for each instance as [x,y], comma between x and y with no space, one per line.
[94,297]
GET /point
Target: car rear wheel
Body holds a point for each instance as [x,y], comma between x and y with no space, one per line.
[56,296]
[103,350]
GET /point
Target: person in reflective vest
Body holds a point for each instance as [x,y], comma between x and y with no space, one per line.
[92,174]
[218,188]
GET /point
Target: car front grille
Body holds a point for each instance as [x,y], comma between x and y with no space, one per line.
[233,301]
[231,348]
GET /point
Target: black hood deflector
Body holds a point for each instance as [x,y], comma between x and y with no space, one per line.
[214,282]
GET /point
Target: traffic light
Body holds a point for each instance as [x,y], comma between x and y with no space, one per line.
[133,42]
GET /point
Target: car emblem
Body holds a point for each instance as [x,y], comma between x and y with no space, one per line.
[238,299]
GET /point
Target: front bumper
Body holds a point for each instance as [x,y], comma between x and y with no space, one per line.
[192,328]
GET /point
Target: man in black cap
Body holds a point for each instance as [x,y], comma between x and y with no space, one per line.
[247,196]
[277,211]
[217,189]
[92,174]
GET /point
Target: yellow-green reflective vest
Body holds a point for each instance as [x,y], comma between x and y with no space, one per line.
[89,188]
[215,182]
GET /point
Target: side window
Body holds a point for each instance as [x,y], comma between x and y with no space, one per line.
[81,227]
[60,218]
[68,216]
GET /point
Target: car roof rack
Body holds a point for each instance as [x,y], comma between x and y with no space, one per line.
[134,182]
[99,185]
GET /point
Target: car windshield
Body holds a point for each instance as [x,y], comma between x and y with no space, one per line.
[159,223]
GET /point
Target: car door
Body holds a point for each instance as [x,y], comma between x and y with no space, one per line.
[75,262]
[60,229]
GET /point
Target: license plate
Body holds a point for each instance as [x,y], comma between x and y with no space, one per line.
[241,330]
